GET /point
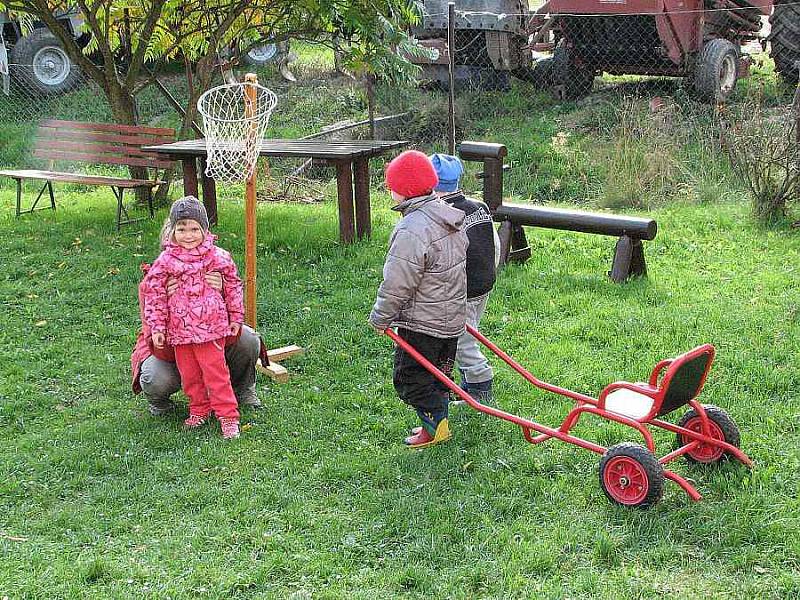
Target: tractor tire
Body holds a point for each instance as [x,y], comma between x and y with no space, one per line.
[570,81]
[540,74]
[716,71]
[723,428]
[43,65]
[631,476]
[784,41]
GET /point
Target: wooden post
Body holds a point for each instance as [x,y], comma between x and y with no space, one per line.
[344,183]
[190,176]
[361,190]
[251,98]
[451,97]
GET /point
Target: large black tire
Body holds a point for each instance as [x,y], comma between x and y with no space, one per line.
[785,40]
[569,79]
[631,476]
[716,71]
[42,64]
[723,427]
[540,74]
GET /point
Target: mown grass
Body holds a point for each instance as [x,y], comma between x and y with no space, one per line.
[319,498]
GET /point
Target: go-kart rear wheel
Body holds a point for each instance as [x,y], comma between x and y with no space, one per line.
[722,428]
[631,476]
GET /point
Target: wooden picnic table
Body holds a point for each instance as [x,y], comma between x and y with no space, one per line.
[351,159]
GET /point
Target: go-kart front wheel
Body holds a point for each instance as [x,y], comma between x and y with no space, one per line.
[631,476]
[722,427]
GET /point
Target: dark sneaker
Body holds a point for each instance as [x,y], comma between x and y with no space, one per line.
[159,409]
[248,398]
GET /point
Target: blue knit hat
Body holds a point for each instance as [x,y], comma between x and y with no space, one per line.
[449,169]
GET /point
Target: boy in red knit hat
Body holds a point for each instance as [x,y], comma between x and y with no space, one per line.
[424,291]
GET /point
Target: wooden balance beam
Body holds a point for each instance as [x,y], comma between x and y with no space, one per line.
[628,254]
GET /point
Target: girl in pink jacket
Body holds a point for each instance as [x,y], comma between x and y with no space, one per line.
[196,318]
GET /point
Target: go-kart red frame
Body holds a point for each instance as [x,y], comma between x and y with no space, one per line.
[630,474]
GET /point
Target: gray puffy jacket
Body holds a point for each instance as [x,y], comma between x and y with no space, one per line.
[424,285]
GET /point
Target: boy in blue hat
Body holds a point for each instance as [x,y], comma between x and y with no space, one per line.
[483,255]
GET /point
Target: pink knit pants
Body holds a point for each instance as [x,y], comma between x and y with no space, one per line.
[206,380]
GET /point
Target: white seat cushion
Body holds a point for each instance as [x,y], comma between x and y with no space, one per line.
[628,403]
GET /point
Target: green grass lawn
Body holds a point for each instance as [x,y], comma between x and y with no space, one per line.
[319,498]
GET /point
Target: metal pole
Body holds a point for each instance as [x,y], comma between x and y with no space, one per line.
[250,213]
[451,98]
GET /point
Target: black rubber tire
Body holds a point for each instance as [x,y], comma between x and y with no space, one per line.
[785,40]
[648,467]
[723,420]
[575,81]
[25,53]
[540,74]
[711,72]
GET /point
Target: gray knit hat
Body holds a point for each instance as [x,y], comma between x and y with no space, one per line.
[188,207]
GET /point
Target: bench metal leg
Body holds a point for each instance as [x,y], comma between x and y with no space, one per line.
[47,186]
[119,194]
[52,195]
[150,202]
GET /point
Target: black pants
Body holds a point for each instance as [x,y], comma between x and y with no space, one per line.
[414,383]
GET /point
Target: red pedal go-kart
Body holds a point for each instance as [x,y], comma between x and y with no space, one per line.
[630,474]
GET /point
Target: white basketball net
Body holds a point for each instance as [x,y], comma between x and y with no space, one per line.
[234,127]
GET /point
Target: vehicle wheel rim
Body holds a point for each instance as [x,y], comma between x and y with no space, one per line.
[263,53]
[626,480]
[51,65]
[705,453]
[727,75]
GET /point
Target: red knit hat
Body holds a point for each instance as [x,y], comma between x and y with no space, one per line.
[411,174]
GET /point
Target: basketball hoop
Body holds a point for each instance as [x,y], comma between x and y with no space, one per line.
[235,118]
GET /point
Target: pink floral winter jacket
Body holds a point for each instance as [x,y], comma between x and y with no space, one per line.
[196,312]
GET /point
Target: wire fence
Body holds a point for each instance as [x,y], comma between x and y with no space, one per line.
[612,107]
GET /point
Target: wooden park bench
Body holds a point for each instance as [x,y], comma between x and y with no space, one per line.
[97,144]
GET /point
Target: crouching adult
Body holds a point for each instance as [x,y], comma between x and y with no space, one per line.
[155,375]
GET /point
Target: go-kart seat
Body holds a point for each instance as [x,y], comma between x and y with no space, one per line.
[682,382]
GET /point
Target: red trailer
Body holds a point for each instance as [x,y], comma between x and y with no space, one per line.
[698,39]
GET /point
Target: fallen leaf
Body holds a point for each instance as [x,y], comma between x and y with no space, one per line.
[40,323]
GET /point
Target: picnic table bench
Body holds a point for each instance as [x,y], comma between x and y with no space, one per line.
[99,144]
[350,157]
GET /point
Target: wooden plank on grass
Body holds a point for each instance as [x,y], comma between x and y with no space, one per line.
[278,354]
[275,371]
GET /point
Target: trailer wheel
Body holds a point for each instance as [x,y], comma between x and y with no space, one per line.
[631,476]
[717,71]
[785,40]
[43,64]
[570,80]
[723,428]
